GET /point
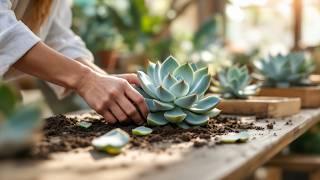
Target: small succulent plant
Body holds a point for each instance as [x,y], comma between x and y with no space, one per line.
[175,93]
[234,83]
[17,123]
[292,69]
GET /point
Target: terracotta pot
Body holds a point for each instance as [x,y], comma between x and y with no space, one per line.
[108,60]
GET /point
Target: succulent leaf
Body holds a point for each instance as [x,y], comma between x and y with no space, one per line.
[194,67]
[157,76]
[164,94]
[201,86]
[168,66]
[168,81]
[175,116]
[213,113]
[196,119]
[186,101]
[112,142]
[184,72]
[180,88]
[141,131]
[205,104]
[183,125]
[155,105]
[156,119]
[147,84]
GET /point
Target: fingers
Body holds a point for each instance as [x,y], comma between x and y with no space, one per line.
[131,78]
[118,112]
[130,110]
[138,100]
[109,117]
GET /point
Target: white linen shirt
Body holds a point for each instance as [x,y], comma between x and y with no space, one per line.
[16,38]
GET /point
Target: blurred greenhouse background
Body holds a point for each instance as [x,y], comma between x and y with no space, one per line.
[123,34]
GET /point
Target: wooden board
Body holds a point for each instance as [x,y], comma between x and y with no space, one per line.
[310,96]
[315,79]
[231,161]
[297,162]
[261,106]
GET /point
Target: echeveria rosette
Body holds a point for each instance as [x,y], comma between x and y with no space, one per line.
[285,70]
[234,83]
[175,93]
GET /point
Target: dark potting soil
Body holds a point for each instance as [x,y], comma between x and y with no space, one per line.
[61,133]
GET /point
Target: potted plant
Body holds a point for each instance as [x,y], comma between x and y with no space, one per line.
[18,124]
[237,96]
[175,94]
[288,76]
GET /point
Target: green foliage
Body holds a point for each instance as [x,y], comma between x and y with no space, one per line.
[207,34]
[235,138]
[8,100]
[17,123]
[285,70]
[112,142]
[234,83]
[141,131]
[175,93]
[125,25]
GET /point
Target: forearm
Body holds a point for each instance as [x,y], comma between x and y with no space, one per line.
[91,65]
[45,63]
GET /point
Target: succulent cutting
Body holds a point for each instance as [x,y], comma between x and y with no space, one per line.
[175,93]
[288,70]
[112,142]
[234,83]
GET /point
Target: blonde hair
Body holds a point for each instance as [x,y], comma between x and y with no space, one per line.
[40,9]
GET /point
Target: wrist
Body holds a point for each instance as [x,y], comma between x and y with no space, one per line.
[80,78]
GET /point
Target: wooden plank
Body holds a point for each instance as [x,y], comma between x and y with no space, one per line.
[261,106]
[298,162]
[310,96]
[231,161]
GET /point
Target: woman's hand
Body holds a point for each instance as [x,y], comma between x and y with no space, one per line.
[113,97]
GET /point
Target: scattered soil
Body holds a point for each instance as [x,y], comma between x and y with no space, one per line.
[61,133]
[270,125]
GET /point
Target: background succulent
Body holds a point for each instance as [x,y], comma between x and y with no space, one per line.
[17,123]
[285,70]
[175,93]
[234,83]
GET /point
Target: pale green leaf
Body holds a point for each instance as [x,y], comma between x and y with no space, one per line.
[168,66]
[186,101]
[156,119]
[201,86]
[141,131]
[180,88]
[206,104]
[175,116]
[168,81]
[164,94]
[112,142]
[184,72]
[147,84]
[196,119]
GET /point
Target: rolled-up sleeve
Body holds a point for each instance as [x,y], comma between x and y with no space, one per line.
[15,37]
[63,39]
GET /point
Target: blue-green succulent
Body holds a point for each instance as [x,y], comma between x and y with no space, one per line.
[176,93]
[288,70]
[234,83]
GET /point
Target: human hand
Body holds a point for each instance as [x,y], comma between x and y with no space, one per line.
[113,97]
[130,77]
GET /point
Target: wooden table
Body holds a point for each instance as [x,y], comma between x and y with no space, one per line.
[232,161]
